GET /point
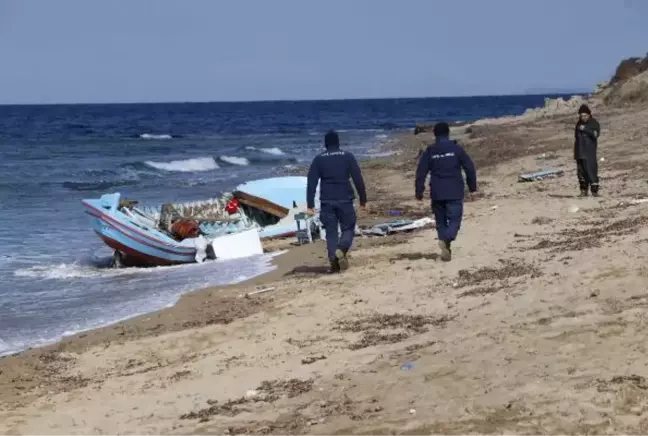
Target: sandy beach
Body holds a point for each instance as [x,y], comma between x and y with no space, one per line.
[536,326]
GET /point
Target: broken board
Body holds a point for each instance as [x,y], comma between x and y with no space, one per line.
[261,204]
[540,175]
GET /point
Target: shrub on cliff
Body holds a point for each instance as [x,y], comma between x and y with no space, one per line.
[629,85]
[629,68]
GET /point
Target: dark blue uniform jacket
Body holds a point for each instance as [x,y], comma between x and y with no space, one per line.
[443,161]
[333,168]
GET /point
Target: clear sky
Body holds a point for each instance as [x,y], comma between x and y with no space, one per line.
[55,51]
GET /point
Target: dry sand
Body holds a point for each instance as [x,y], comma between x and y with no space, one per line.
[537,325]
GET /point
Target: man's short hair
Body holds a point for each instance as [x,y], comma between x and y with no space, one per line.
[441,129]
[331,139]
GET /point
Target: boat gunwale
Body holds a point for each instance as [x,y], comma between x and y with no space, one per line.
[136,230]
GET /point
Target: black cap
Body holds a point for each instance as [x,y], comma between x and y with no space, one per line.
[441,129]
[584,109]
[331,139]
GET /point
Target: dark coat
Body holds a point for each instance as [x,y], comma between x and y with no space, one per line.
[333,169]
[444,161]
[586,140]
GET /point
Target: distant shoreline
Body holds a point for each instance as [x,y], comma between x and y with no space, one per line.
[328,100]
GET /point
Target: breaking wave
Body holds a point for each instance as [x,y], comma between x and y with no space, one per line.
[274,150]
[73,271]
[187,165]
[235,160]
[154,136]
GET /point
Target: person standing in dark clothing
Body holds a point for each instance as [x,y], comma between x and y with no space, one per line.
[444,161]
[586,135]
[332,169]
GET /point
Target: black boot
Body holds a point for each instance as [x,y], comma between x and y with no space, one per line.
[595,190]
[583,193]
[341,258]
[334,267]
[446,253]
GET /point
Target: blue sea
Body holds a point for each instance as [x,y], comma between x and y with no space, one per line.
[55,279]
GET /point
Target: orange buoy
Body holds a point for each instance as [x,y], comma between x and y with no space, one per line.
[185,228]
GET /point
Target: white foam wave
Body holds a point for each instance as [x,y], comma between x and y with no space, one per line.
[5,348]
[274,150]
[187,165]
[235,160]
[154,136]
[153,296]
[75,271]
[381,136]
[382,153]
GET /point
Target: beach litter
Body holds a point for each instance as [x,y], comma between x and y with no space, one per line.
[312,359]
[260,291]
[392,227]
[407,366]
[540,175]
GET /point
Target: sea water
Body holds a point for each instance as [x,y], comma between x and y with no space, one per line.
[54,274]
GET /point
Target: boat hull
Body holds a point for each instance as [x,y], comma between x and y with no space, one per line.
[137,244]
[130,257]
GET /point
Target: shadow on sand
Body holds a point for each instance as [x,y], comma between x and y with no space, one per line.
[415,256]
[308,270]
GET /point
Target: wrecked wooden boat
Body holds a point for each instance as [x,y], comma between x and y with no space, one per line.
[231,226]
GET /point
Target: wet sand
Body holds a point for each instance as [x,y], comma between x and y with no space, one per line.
[536,326]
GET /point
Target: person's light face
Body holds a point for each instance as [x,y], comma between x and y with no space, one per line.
[584,117]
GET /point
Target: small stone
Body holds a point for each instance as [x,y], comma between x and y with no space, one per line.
[412,411]
[251,393]
[595,293]
[574,209]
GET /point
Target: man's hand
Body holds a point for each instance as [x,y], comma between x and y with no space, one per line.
[362,210]
[310,211]
[582,127]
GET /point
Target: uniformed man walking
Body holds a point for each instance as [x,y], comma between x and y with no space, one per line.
[443,161]
[332,169]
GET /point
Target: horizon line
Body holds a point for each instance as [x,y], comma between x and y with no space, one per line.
[305,100]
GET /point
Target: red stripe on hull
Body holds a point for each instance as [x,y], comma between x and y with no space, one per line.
[141,241]
[136,258]
[106,218]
